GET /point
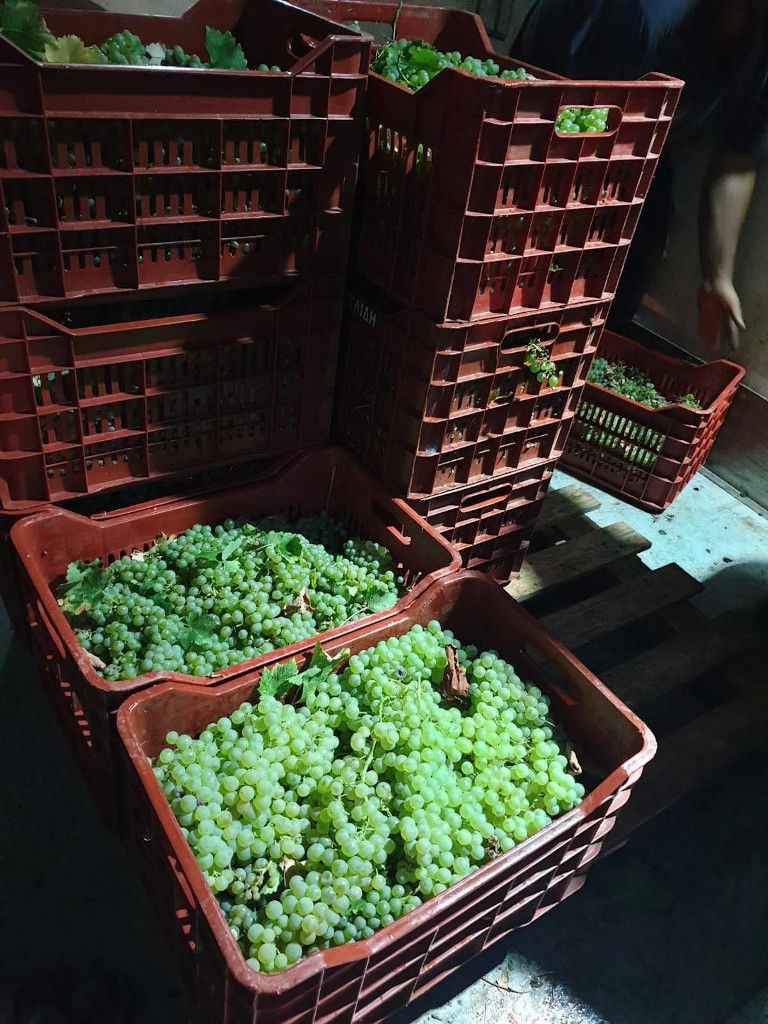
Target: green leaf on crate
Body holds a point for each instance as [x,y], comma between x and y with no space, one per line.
[224,50]
[320,667]
[22,23]
[290,546]
[277,681]
[198,632]
[162,601]
[72,50]
[424,57]
[229,549]
[379,601]
[84,585]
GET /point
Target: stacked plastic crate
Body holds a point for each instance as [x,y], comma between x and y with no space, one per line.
[224,198]
[485,233]
[172,249]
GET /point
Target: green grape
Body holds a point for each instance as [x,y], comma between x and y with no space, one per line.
[124,48]
[384,793]
[582,119]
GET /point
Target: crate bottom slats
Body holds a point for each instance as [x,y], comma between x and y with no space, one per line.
[695,679]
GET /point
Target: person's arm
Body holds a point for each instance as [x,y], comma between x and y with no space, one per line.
[725,198]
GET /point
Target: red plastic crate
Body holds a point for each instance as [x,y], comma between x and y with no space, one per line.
[434,407]
[324,480]
[118,179]
[90,409]
[490,524]
[366,981]
[647,456]
[472,204]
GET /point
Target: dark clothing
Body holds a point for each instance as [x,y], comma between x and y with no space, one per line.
[726,90]
[726,79]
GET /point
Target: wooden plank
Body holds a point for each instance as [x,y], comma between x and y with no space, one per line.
[574,558]
[619,605]
[687,758]
[674,662]
[564,503]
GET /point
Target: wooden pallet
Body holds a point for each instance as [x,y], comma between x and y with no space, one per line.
[695,680]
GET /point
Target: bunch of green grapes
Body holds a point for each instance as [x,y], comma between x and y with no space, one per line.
[318,824]
[175,57]
[211,598]
[416,63]
[582,119]
[124,48]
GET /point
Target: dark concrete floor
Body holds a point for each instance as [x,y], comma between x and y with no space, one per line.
[673,929]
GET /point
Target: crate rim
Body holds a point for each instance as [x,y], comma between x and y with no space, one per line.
[64,635]
[344,34]
[353,10]
[279,983]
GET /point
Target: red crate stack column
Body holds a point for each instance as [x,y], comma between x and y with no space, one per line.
[483,229]
[216,202]
[451,416]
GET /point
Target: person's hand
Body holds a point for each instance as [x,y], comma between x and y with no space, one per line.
[720,315]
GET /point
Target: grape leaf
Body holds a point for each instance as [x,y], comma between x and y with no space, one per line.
[321,666]
[72,50]
[356,906]
[162,601]
[229,549]
[22,23]
[224,50]
[424,57]
[290,546]
[376,601]
[197,632]
[85,584]
[277,681]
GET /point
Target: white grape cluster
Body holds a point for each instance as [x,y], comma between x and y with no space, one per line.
[213,597]
[320,823]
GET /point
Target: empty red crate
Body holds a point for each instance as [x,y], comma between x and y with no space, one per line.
[490,524]
[472,203]
[324,480]
[366,981]
[116,179]
[434,407]
[647,456]
[89,409]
